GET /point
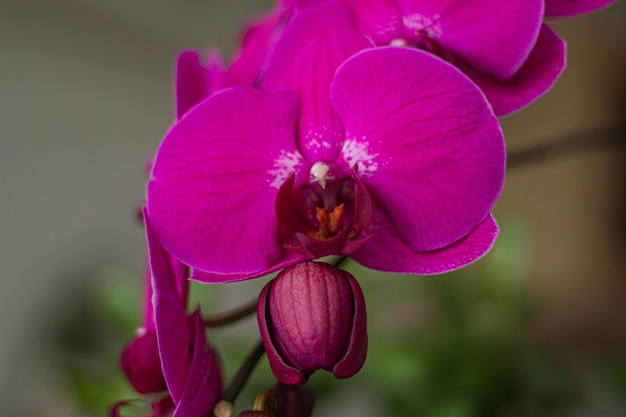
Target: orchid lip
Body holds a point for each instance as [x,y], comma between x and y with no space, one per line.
[323,220]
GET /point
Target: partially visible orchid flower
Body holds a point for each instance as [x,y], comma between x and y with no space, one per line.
[196,80]
[501,45]
[257,40]
[572,8]
[171,355]
[398,169]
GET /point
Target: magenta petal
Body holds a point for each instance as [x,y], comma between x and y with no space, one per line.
[257,39]
[379,19]
[170,317]
[570,8]
[545,64]
[287,259]
[301,30]
[494,36]
[148,309]
[194,81]
[215,177]
[320,131]
[204,383]
[141,362]
[387,252]
[425,140]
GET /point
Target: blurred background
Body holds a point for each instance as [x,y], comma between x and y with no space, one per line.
[538,327]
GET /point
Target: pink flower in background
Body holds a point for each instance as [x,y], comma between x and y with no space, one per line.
[411,129]
[571,8]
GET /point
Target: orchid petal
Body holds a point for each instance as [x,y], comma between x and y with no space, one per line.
[194,81]
[494,36]
[571,8]
[205,380]
[215,177]
[379,19]
[320,131]
[425,141]
[141,362]
[148,309]
[543,67]
[170,317]
[386,251]
[287,259]
[258,37]
[298,33]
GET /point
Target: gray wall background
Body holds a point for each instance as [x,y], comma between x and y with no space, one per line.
[86,95]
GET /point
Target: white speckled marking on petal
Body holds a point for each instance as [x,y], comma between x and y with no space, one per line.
[430,25]
[357,152]
[286,164]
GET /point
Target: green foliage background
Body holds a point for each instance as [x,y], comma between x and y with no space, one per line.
[456,345]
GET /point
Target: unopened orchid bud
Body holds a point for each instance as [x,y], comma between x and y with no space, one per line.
[142,365]
[312,316]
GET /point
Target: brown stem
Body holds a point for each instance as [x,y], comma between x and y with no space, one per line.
[223,408]
[595,138]
[223,319]
[340,261]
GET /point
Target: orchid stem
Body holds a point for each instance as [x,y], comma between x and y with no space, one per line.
[340,261]
[595,138]
[239,381]
[230,317]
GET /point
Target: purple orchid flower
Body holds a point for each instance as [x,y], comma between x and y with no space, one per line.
[502,46]
[571,8]
[171,354]
[391,131]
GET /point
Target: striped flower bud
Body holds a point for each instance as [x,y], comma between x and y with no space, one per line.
[312,316]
